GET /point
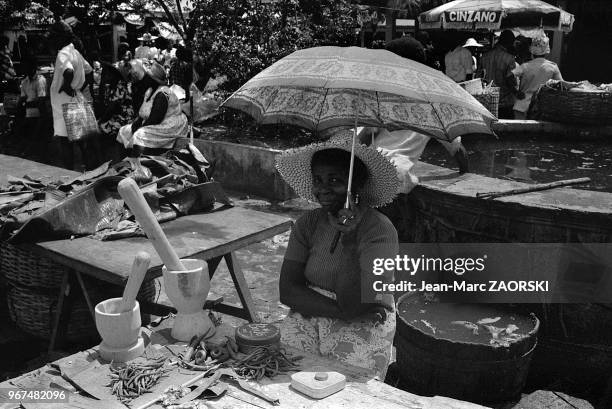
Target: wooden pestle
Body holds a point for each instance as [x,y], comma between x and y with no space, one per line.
[139,270]
[130,192]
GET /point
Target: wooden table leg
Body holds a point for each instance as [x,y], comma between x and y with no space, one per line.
[213,263]
[64,308]
[248,306]
[86,295]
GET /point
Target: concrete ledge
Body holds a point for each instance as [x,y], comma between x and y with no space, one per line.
[531,128]
[244,168]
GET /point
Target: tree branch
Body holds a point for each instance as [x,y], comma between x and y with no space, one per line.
[180,12]
[172,19]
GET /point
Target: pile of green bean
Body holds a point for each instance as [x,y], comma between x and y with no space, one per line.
[265,361]
[132,380]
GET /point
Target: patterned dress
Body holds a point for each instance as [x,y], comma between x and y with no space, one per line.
[162,135]
[122,95]
[362,341]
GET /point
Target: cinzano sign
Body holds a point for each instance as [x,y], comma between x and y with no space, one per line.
[472,16]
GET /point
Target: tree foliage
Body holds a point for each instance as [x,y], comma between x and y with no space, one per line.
[239,38]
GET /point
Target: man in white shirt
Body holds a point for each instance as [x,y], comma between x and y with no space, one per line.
[534,74]
[404,148]
[459,63]
[68,82]
[146,50]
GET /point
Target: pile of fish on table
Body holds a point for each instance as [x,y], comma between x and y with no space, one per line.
[174,184]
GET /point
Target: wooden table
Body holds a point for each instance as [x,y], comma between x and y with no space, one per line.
[362,390]
[210,236]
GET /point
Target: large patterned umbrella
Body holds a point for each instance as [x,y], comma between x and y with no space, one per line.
[325,87]
[493,15]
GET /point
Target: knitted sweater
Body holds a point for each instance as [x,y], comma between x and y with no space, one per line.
[313,234]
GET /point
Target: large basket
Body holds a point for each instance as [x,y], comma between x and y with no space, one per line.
[489,99]
[562,105]
[434,365]
[24,267]
[33,310]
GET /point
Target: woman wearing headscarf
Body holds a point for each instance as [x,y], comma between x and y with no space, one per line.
[534,74]
[160,119]
[68,82]
[330,253]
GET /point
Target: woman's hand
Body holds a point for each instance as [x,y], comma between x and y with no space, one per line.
[347,219]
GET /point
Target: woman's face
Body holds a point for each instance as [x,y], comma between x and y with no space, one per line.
[329,184]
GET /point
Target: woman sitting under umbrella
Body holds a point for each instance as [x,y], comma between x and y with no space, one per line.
[321,276]
[160,119]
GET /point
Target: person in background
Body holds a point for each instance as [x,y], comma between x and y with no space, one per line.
[124,56]
[521,45]
[181,69]
[136,72]
[498,64]
[404,147]
[33,93]
[146,50]
[68,82]
[167,54]
[160,120]
[89,88]
[534,74]
[407,47]
[97,76]
[458,63]
[7,70]
[431,57]
[118,108]
[473,46]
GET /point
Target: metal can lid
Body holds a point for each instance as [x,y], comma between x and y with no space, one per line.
[257,334]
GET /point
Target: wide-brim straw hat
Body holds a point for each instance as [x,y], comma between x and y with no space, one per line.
[379,189]
[147,37]
[471,42]
[156,72]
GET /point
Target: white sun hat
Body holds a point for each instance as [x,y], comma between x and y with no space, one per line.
[471,42]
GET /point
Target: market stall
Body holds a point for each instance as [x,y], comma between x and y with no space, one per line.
[492,15]
[214,383]
[486,18]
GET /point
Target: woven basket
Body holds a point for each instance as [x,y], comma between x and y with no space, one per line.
[473,87]
[562,105]
[33,310]
[490,100]
[23,267]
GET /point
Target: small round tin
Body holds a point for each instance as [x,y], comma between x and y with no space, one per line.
[249,336]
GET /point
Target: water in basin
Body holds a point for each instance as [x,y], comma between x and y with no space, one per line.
[533,161]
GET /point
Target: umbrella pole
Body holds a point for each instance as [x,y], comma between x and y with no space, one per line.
[191,117]
[347,204]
